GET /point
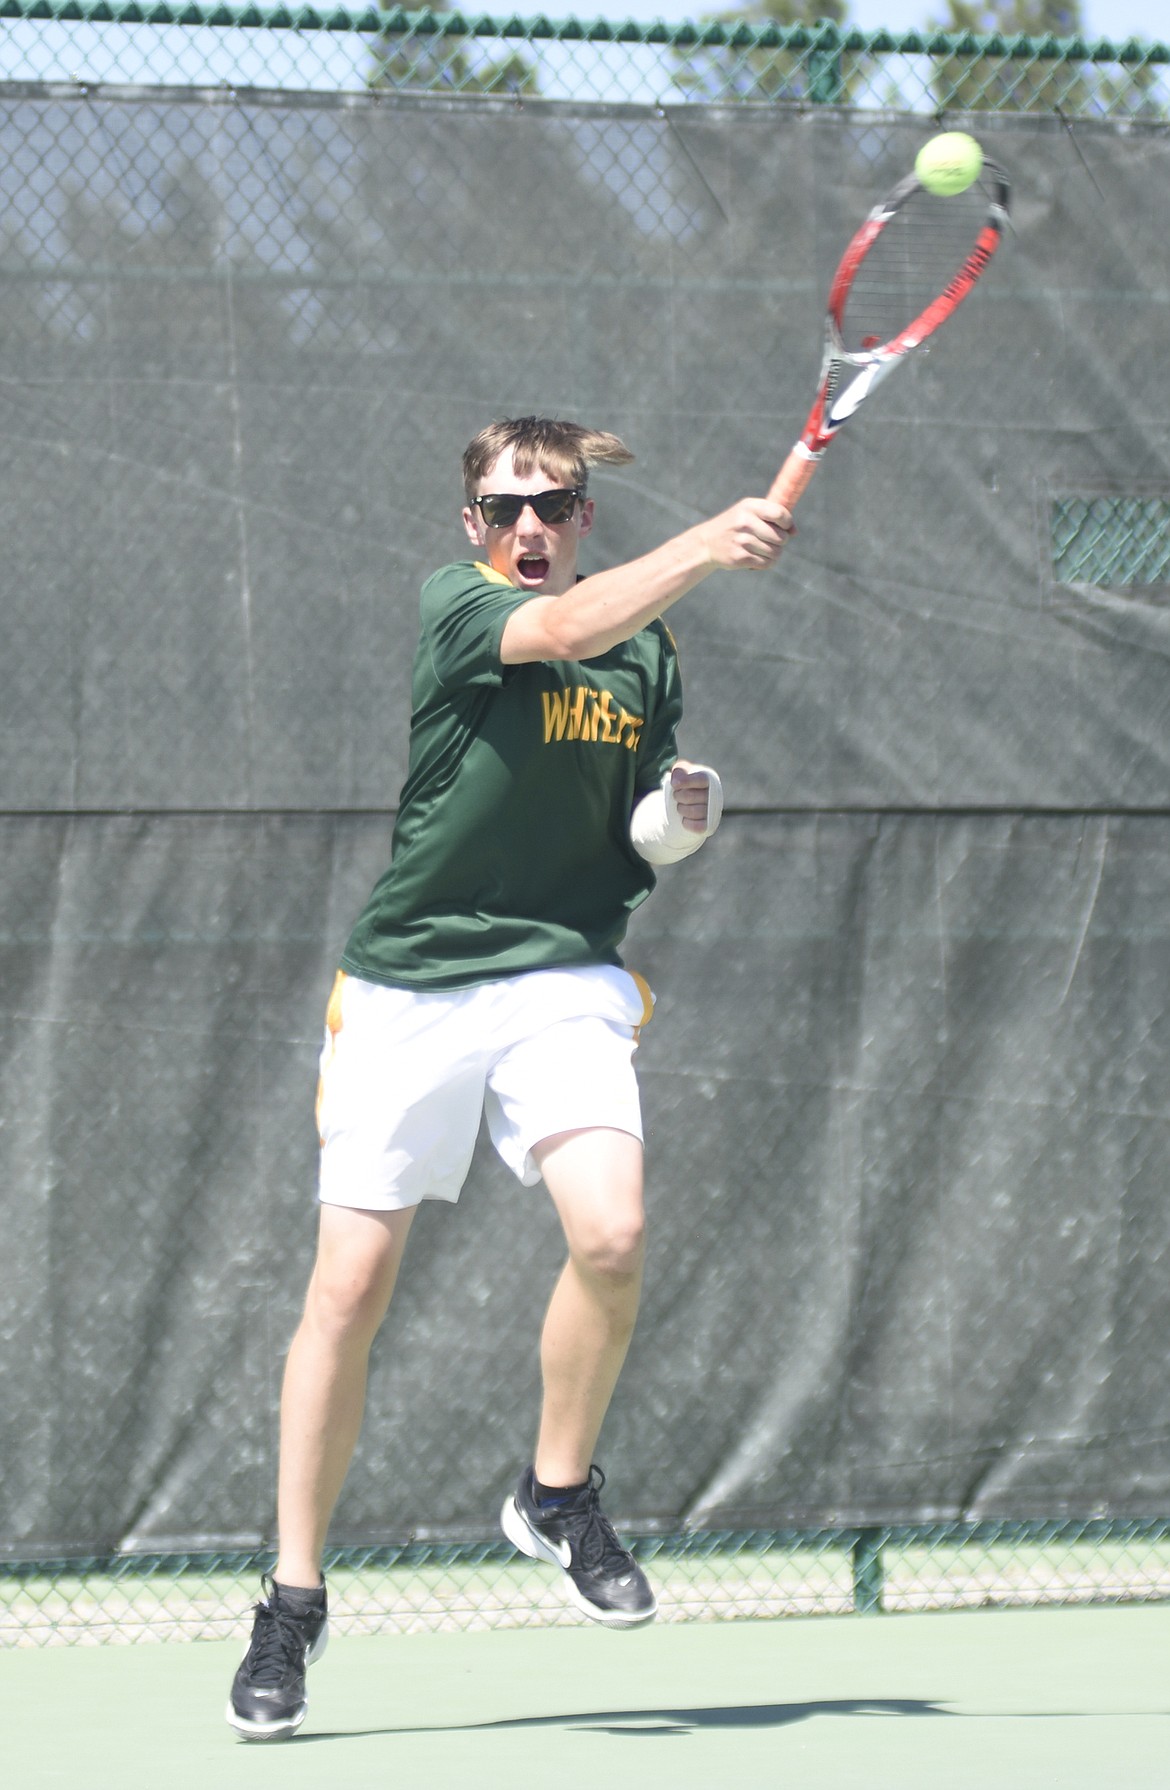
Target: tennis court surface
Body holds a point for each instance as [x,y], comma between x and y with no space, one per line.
[1071,1697]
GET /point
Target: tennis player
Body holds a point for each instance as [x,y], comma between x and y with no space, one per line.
[544,789]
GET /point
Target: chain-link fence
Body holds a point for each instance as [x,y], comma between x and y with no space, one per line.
[303,49]
[710,1576]
[255,295]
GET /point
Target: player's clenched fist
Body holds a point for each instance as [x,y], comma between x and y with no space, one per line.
[750,535]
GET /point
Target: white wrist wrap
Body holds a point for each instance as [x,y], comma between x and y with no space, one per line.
[656,831]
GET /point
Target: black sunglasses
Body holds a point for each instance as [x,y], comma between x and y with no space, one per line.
[503,508]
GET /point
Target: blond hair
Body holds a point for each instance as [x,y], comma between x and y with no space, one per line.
[564,450]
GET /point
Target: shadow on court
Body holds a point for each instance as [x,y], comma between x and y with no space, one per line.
[663,1721]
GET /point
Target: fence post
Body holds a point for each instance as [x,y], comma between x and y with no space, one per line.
[867,1571]
[826,86]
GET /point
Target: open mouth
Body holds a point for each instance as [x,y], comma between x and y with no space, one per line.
[532,568]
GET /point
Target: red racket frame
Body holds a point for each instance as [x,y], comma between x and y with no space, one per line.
[875,364]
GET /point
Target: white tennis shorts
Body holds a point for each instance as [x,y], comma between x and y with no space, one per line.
[406,1076]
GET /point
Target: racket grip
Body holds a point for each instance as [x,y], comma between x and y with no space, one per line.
[793,477]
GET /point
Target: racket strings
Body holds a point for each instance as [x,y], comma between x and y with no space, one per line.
[910,262]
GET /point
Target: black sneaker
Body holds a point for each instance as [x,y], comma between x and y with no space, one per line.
[604,1579]
[268,1692]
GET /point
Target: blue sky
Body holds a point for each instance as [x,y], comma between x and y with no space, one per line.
[1117,19]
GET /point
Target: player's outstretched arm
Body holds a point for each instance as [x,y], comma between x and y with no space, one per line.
[610,606]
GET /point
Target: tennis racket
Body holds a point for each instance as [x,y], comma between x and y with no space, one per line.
[908,269]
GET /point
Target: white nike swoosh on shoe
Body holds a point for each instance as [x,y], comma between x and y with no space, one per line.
[562,1550]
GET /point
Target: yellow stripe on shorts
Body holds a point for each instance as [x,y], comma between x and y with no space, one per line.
[647,994]
[332,1027]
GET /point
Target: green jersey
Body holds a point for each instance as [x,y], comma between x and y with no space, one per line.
[511,850]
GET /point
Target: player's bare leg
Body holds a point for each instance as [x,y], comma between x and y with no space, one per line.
[324,1394]
[595,1179]
[358,1255]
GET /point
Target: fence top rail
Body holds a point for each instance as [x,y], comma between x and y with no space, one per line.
[825,36]
[122,1563]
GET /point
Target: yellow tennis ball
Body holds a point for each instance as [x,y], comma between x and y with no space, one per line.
[949,163]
